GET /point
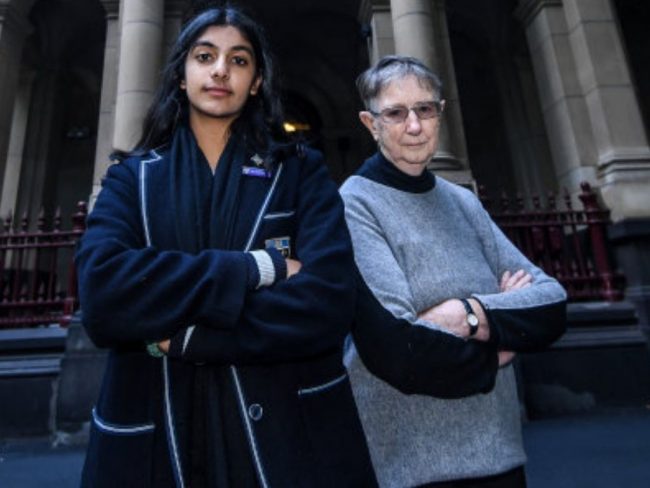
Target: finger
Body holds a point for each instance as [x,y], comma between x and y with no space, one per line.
[525,280]
[514,278]
[521,282]
[504,280]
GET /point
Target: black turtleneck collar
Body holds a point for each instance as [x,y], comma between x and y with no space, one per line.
[380,170]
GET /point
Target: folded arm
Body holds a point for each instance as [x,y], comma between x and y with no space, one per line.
[412,354]
[130,291]
[308,314]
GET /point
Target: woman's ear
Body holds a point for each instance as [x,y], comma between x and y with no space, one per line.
[368,120]
[255,87]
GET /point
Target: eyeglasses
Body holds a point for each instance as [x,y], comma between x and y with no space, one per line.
[398,113]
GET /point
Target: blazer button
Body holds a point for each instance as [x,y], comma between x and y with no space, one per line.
[255,411]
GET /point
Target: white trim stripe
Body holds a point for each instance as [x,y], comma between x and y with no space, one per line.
[279,215]
[121,429]
[169,421]
[264,207]
[143,195]
[171,433]
[324,386]
[249,429]
[186,339]
[235,375]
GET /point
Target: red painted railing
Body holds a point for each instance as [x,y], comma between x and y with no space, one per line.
[567,243]
[38,280]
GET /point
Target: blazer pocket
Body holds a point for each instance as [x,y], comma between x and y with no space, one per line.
[118,454]
[280,214]
[334,433]
[279,231]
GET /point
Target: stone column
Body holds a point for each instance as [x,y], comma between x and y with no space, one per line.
[14,28]
[109,91]
[38,170]
[622,152]
[420,28]
[621,144]
[564,108]
[592,116]
[593,122]
[15,153]
[140,55]
[375,14]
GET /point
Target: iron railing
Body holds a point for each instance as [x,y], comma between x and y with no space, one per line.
[38,280]
[569,244]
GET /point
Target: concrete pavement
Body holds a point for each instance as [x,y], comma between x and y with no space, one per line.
[607,450]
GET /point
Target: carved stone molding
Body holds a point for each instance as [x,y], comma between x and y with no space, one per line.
[527,10]
[111,7]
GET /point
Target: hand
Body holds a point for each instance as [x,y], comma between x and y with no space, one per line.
[293,266]
[451,316]
[505,358]
[164,346]
[511,282]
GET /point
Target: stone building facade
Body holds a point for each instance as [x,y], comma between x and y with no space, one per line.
[557,77]
[541,94]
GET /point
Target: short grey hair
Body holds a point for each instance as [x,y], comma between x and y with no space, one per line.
[371,82]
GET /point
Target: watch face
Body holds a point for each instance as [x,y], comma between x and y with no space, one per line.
[472,319]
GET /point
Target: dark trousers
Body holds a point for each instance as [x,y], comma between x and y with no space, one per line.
[515,478]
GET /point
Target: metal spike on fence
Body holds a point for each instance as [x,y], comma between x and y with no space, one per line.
[79,218]
[7,223]
[40,225]
[57,219]
[24,222]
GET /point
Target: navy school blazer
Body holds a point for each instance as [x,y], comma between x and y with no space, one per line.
[281,345]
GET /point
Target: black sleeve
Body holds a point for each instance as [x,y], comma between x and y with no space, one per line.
[418,360]
[131,292]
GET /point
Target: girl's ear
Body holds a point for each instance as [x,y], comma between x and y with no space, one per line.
[255,87]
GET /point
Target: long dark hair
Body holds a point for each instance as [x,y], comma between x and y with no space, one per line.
[260,121]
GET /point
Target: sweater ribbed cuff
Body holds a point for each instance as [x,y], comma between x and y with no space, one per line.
[265,268]
[279,263]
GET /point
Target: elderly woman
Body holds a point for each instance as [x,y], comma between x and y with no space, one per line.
[433,381]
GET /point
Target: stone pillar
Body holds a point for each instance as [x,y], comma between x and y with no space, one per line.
[140,55]
[17,137]
[14,28]
[592,116]
[420,28]
[622,152]
[109,91]
[38,170]
[594,123]
[564,108]
[376,16]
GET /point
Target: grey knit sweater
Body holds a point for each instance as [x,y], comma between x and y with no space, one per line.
[419,241]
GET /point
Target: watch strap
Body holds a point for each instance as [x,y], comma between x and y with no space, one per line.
[472,324]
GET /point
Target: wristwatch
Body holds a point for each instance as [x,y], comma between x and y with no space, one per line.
[472,319]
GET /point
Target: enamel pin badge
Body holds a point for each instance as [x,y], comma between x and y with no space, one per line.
[256,169]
